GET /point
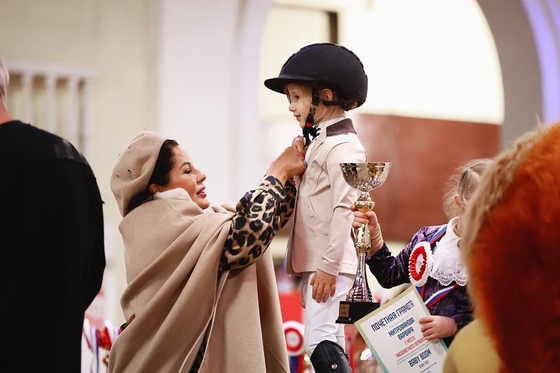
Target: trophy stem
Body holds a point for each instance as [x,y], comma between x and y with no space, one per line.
[360,290]
[362,242]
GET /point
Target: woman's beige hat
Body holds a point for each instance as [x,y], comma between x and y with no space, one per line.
[134,168]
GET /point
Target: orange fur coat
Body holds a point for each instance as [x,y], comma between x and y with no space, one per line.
[512,250]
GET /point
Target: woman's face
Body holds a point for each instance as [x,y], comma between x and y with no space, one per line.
[185,175]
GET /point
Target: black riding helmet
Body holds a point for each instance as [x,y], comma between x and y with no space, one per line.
[325,63]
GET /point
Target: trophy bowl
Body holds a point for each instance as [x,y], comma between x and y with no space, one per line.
[365,177]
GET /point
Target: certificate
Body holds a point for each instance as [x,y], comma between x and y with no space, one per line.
[393,335]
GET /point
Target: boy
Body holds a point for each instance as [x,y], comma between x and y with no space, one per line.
[322,81]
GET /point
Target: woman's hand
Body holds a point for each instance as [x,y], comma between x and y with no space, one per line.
[297,144]
[290,163]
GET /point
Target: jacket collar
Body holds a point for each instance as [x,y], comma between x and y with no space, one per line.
[343,126]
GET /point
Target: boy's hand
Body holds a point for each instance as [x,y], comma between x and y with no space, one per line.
[302,296]
[324,286]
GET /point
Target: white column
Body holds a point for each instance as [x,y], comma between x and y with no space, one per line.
[27,110]
[73,110]
[249,136]
[50,85]
[222,68]
[544,17]
[86,118]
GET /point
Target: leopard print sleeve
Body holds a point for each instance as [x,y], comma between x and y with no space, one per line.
[260,214]
[288,203]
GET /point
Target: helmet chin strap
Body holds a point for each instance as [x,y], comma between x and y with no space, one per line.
[310,131]
[346,103]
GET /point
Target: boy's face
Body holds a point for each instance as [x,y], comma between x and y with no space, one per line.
[299,97]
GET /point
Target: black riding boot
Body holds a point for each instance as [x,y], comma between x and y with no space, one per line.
[330,357]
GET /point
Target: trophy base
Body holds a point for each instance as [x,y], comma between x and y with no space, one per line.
[350,312]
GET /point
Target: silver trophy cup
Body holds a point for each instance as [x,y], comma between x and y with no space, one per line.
[365,177]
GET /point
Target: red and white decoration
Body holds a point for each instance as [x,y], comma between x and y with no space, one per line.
[99,338]
[420,263]
[293,331]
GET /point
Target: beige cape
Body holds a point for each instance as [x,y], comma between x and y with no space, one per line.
[177,294]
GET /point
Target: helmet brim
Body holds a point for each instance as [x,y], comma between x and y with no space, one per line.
[279,84]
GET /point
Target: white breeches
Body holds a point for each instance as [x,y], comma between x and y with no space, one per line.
[320,318]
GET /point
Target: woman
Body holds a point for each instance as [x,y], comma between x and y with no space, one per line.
[198,300]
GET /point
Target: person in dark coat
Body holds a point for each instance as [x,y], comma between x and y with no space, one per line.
[52,245]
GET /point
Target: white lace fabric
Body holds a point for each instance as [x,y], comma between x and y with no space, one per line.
[448,266]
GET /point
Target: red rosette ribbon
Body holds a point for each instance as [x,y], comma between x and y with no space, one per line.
[293,332]
[420,263]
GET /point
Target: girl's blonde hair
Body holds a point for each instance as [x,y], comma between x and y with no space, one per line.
[463,183]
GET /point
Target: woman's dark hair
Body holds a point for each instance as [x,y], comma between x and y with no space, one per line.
[160,174]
